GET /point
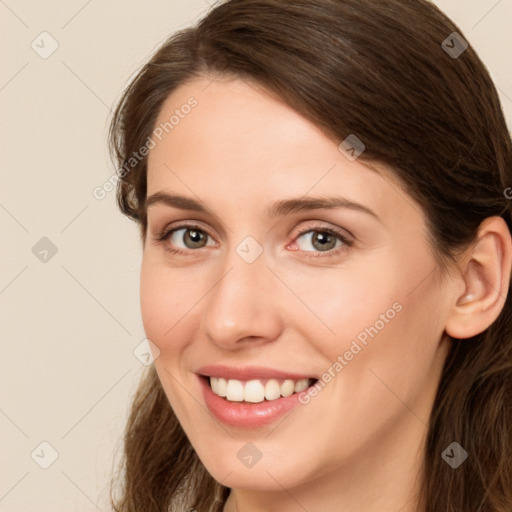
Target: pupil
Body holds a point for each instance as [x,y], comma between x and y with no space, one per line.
[323,239]
[195,236]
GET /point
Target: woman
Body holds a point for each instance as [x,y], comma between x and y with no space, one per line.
[321,193]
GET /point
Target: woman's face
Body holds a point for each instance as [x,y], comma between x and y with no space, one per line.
[270,287]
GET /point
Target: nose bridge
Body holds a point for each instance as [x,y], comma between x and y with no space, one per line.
[241,303]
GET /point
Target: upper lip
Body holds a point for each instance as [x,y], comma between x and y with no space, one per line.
[248,373]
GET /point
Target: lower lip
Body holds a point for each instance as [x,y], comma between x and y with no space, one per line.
[244,414]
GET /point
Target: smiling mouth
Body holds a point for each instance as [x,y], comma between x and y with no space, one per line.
[256,390]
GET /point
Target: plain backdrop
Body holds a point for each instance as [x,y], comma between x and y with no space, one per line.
[69,272]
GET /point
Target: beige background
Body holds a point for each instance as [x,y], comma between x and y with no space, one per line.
[69,325]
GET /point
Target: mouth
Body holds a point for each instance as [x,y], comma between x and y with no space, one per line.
[251,396]
[251,404]
[256,390]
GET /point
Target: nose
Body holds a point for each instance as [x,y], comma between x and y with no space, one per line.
[243,305]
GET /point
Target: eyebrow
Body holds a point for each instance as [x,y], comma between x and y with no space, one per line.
[277,209]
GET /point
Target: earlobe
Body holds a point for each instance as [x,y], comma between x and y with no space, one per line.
[486,276]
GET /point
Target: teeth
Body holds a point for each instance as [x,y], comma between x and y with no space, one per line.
[221,386]
[218,385]
[254,391]
[301,385]
[235,391]
[272,390]
[287,387]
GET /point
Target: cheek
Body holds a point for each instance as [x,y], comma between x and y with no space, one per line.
[392,360]
[343,304]
[167,316]
[164,303]
[380,325]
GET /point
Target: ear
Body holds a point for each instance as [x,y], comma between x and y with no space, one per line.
[485,276]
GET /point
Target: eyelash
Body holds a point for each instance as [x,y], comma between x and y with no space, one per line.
[165,233]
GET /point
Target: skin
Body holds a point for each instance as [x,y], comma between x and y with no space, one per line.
[356,446]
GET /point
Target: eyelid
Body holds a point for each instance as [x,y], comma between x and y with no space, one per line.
[319,225]
[180,224]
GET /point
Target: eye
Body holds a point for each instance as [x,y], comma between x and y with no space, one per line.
[191,236]
[323,240]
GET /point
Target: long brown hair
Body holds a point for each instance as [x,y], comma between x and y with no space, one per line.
[384,72]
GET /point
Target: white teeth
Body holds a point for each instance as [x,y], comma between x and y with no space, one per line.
[287,387]
[254,391]
[214,384]
[221,386]
[235,391]
[218,385]
[301,385]
[272,390]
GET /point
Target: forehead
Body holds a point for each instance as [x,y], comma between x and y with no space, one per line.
[238,142]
